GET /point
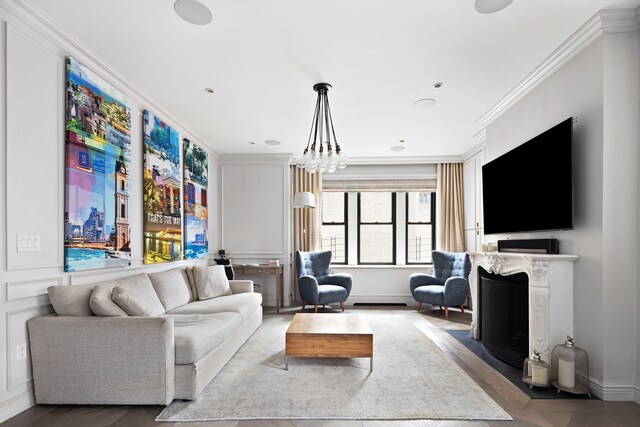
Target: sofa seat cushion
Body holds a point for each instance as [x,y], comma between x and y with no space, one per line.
[245,304]
[197,334]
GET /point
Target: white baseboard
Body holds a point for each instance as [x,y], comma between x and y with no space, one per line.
[16,404]
[620,393]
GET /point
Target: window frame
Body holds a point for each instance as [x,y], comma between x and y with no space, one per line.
[393,224]
[344,223]
[432,197]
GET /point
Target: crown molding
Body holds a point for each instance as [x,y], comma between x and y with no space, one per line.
[404,160]
[253,158]
[603,22]
[619,21]
[36,20]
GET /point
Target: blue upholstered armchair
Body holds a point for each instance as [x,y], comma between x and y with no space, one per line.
[316,284]
[448,286]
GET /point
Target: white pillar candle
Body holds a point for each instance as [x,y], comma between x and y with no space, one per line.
[540,375]
[566,373]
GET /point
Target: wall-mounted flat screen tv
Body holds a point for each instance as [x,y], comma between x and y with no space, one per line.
[530,188]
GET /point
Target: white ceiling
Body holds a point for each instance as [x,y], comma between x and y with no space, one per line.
[262,58]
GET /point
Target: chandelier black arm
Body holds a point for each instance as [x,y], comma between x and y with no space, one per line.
[327,121]
[314,123]
[335,140]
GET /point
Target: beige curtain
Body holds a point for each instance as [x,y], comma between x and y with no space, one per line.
[451,207]
[305,221]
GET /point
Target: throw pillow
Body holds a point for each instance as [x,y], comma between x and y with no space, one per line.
[211,281]
[131,303]
[140,300]
[102,304]
[192,283]
[172,287]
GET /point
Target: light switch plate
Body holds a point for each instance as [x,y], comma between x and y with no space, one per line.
[28,242]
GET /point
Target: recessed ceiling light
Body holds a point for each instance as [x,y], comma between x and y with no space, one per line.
[491,6]
[438,85]
[193,12]
[272,142]
[208,90]
[401,141]
[252,143]
[398,148]
[425,103]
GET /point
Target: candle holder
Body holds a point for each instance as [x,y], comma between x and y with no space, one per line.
[535,371]
[570,368]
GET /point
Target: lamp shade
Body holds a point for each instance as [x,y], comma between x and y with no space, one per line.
[304,199]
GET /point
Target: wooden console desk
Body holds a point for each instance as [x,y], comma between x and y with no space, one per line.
[265,270]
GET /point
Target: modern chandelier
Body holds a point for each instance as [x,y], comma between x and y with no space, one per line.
[322,131]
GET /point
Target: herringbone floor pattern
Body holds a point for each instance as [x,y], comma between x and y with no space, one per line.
[525,411]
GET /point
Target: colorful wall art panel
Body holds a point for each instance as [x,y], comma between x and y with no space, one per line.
[161,192]
[196,212]
[97,157]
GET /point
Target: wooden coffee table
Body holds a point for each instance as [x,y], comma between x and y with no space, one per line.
[328,335]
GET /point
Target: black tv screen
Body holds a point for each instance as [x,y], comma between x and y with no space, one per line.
[530,188]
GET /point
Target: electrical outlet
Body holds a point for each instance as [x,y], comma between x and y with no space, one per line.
[21,351]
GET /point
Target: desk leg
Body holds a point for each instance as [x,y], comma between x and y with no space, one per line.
[279,292]
[286,363]
[371,364]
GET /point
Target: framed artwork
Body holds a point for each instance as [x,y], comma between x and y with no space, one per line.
[196,212]
[97,231]
[161,192]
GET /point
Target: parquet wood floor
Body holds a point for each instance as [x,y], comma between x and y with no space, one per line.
[525,411]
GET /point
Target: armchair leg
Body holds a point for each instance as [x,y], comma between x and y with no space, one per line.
[342,305]
[419,305]
[446,312]
[315,308]
[303,306]
[462,308]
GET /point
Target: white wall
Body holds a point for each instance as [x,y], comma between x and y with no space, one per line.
[620,216]
[255,214]
[599,87]
[32,188]
[637,391]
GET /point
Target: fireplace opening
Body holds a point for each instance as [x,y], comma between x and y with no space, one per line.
[504,316]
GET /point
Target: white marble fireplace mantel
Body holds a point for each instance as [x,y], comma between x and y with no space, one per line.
[550,293]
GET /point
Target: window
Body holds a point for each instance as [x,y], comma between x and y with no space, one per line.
[123,211]
[420,229]
[376,228]
[334,225]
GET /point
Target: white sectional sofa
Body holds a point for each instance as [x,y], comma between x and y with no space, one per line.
[144,339]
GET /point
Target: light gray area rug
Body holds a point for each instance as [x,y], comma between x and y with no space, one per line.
[411,379]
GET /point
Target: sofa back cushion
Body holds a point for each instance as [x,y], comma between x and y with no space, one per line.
[172,288]
[101,300]
[71,300]
[138,300]
[211,281]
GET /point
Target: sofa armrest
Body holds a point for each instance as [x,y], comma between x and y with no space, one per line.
[102,360]
[241,286]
